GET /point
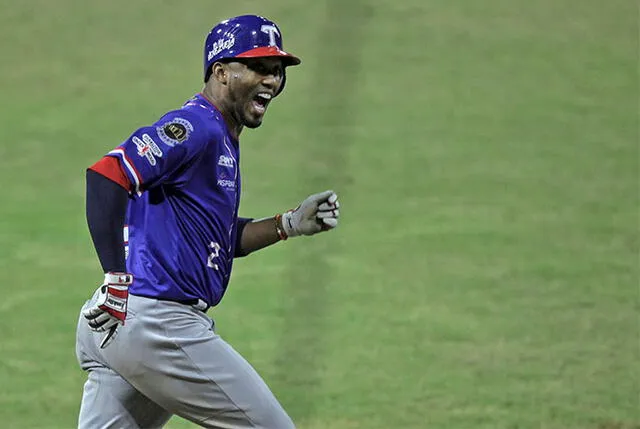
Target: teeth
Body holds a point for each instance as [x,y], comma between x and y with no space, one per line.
[265,96]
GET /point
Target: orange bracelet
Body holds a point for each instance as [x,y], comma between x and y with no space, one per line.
[283,235]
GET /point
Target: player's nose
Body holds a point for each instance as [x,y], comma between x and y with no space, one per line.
[272,81]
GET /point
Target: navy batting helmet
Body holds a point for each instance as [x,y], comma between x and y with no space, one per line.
[246,36]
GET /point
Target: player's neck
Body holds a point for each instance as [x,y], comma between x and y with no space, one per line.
[234,127]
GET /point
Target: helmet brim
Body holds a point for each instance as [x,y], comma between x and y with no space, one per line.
[271,51]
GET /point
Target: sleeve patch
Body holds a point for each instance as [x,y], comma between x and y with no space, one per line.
[174,131]
[147,148]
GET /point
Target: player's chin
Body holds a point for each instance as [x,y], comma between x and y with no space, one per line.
[253,119]
[254,114]
[253,123]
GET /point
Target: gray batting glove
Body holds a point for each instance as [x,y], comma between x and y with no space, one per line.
[317,213]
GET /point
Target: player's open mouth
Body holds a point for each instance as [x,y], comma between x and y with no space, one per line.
[261,101]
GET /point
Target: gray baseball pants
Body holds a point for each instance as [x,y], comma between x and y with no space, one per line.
[165,360]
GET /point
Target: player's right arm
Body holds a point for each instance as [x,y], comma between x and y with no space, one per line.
[106,206]
[151,156]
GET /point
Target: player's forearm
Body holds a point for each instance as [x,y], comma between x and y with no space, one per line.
[259,234]
[106,209]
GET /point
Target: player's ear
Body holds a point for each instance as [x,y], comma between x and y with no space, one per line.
[220,73]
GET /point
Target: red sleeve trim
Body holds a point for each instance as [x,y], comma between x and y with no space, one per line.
[110,168]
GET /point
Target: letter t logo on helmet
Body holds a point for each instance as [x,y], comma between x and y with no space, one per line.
[246,36]
[272,31]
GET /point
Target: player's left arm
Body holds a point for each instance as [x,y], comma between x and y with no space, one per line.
[317,213]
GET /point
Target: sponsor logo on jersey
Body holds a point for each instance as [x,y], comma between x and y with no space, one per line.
[224,182]
[220,45]
[175,131]
[147,148]
[225,161]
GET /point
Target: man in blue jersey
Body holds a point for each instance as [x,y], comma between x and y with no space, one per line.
[162,210]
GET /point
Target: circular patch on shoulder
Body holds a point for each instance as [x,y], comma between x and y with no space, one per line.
[175,131]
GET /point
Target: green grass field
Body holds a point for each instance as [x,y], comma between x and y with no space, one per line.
[486,271]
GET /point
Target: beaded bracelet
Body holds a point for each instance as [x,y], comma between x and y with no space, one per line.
[283,235]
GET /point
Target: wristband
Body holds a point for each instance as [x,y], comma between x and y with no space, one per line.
[283,235]
[124,279]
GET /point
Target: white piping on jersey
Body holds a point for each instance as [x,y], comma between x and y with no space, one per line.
[123,157]
[125,235]
[235,178]
[232,157]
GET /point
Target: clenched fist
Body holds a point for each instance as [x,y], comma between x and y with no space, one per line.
[319,212]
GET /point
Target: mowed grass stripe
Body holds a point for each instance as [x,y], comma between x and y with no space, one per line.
[324,164]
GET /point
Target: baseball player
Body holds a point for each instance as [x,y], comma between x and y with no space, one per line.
[162,211]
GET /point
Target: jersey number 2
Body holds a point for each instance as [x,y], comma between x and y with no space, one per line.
[215,247]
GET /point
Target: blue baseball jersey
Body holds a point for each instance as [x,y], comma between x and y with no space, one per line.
[182,215]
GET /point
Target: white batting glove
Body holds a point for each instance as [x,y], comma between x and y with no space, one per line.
[110,307]
[317,213]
